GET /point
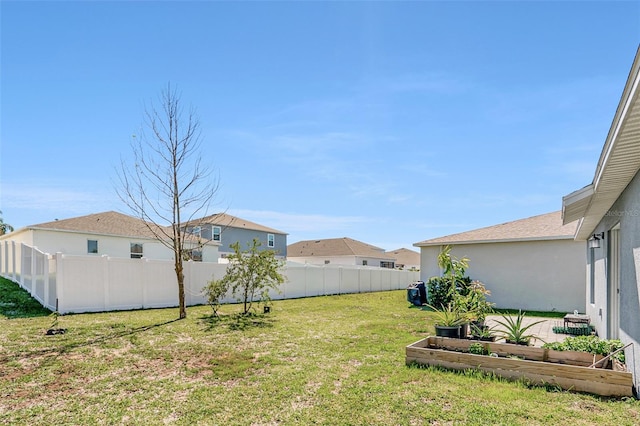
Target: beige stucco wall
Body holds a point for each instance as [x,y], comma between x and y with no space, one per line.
[20,236]
[530,275]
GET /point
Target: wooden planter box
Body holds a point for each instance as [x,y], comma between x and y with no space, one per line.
[566,369]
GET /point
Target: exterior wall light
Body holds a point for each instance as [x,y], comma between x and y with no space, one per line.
[594,241]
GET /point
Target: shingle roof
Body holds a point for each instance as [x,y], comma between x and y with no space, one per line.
[114,223]
[335,247]
[224,219]
[405,256]
[543,227]
[106,223]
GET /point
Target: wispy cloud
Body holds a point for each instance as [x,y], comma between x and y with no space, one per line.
[52,196]
[433,82]
[509,105]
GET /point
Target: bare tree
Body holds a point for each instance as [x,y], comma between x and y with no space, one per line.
[166,185]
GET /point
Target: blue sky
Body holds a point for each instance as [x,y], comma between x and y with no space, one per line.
[386,122]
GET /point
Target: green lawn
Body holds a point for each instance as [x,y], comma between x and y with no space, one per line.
[325,360]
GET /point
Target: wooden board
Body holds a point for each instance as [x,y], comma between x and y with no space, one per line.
[505,349]
[570,377]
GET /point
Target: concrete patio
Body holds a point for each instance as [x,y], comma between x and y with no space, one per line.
[543,331]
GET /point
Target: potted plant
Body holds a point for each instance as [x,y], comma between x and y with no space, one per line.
[473,305]
[514,330]
[476,303]
[482,332]
[448,321]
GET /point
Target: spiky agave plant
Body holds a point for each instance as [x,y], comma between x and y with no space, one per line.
[514,331]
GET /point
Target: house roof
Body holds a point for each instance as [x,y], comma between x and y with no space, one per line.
[336,247]
[227,220]
[106,223]
[619,162]
[547,226]
[405,256]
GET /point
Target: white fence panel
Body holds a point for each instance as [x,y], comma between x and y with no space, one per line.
[27,272]
[332,278]
[160,286]
[394,280]
[350,280]
[40,275]
[364,280]
[385,280]
[125,284]
[197,276]
[295,284]
[83,284]
[375,280]
[91,284]
[17,262]
[51,289]
[315,281]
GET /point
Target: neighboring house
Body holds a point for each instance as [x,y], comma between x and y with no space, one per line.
[608,213]
[529,264]
[339,251]
[109,233]
[406,259]
[226,230]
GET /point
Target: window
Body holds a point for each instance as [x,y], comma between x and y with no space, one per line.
[389,265]
[365,262]
[271,240]
[92,246]
[136,250]
[194,254]
[216,233]
[196,230]
[326,262]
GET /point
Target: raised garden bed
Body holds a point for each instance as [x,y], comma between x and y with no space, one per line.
[567,369]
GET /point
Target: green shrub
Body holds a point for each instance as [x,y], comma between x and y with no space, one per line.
[441,291]
[581,330]
[590,344]
[476,348]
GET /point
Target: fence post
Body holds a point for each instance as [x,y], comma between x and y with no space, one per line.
[45,271]
[187,272]
[34,271]
[5,258]
[143,279]
[59,302]
[105,280]
[13,260]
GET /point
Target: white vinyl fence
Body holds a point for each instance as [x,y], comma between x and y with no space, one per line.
[72,283]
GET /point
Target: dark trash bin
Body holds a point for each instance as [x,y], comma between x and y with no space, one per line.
[423,291]
[413,295]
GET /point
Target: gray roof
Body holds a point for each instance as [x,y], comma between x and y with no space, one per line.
[542,227]
[336,247]
[227,220]
[114,223]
